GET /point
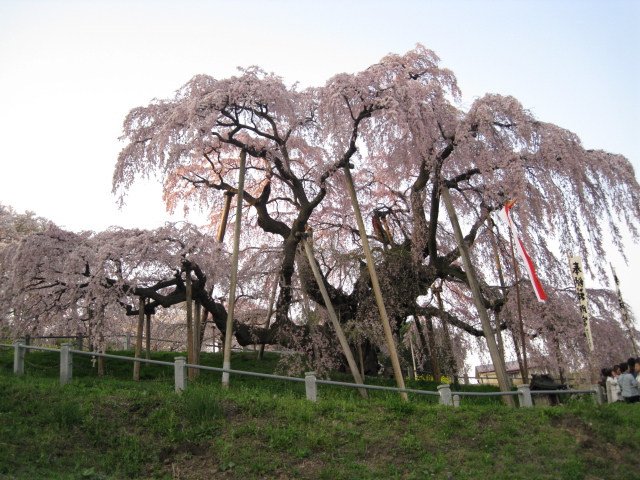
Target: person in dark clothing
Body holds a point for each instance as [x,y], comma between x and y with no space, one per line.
[632,366]
[628,385]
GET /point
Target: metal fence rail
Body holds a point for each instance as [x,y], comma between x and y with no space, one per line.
[446,396]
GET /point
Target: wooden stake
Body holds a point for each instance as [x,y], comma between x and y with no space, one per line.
[435,361]
[306,308]
[101,339]
[196,337]
[525,367]
[496,255]
[501,373]
[447,336]
[393,353]
[267,320]
[226,363]
[138,352]
[222,228]
[360,359]
[148,337]
[334,318]
[413,357]
[189,292]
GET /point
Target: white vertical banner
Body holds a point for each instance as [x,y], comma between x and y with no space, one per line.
[578,280]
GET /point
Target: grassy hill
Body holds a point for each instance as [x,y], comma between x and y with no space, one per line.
[113,428]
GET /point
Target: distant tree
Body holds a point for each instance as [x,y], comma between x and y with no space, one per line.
[14,225]
[56,281]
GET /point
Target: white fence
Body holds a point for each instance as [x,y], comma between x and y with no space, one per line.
[445,394]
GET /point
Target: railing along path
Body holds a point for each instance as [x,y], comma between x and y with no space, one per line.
[445,394]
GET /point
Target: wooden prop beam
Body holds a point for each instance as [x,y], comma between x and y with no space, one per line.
[226,363]
[136,365]
[334,318]
[393,353]
[498,362]
[222,228]
[516,273]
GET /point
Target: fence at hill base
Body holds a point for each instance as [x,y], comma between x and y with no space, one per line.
[445,394]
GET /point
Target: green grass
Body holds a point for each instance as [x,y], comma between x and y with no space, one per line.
[108,428]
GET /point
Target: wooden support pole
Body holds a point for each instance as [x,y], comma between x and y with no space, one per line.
[393,353]
[189,292]
[525,367]
[413,357]
[101,311]
[136,365]
[226,363]
[431,338]
[360,358]
[334,318]
[222,228]
[498,363]
[267,320]
[148,336]
[447,338]
[496,255]
[197,344]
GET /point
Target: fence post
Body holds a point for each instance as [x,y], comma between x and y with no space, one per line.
[445,394]
[525,396]
[456,401]
[411,373]
[180,370]
[598,396]
[311,386]
[127,340]
[18,357]
[66,364]
[79,341]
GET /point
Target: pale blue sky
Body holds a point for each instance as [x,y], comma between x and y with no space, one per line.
[71,70]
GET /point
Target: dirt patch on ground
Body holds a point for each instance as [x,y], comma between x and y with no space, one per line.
[586,437]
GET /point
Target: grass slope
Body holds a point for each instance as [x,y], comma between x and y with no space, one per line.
[113,428]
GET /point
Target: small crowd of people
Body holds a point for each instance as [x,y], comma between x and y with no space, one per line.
[621,381]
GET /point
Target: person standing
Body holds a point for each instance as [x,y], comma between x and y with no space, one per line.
[613,392]
[628,385]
